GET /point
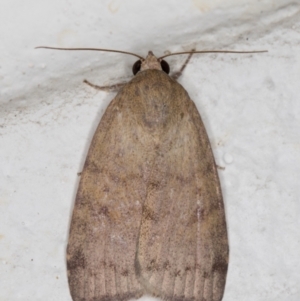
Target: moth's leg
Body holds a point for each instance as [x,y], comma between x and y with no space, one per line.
[179,72]
[111,88]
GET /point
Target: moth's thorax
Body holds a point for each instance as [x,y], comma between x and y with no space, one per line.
[157,100]
[151,62]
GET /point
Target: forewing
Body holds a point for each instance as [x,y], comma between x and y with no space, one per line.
[183,249]
[107,213]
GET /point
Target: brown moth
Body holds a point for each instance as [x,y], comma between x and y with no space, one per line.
[149,216]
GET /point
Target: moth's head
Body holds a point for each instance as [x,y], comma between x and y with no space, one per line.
[150,62]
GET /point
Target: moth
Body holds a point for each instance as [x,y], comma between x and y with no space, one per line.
[149,216]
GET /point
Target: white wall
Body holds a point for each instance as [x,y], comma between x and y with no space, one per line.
[249,103]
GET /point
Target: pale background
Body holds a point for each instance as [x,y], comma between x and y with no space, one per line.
[249,103]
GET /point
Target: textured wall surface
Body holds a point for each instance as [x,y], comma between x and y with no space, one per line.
[249,103]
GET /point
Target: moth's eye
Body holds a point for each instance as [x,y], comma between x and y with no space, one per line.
[165,66]
[136,67]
